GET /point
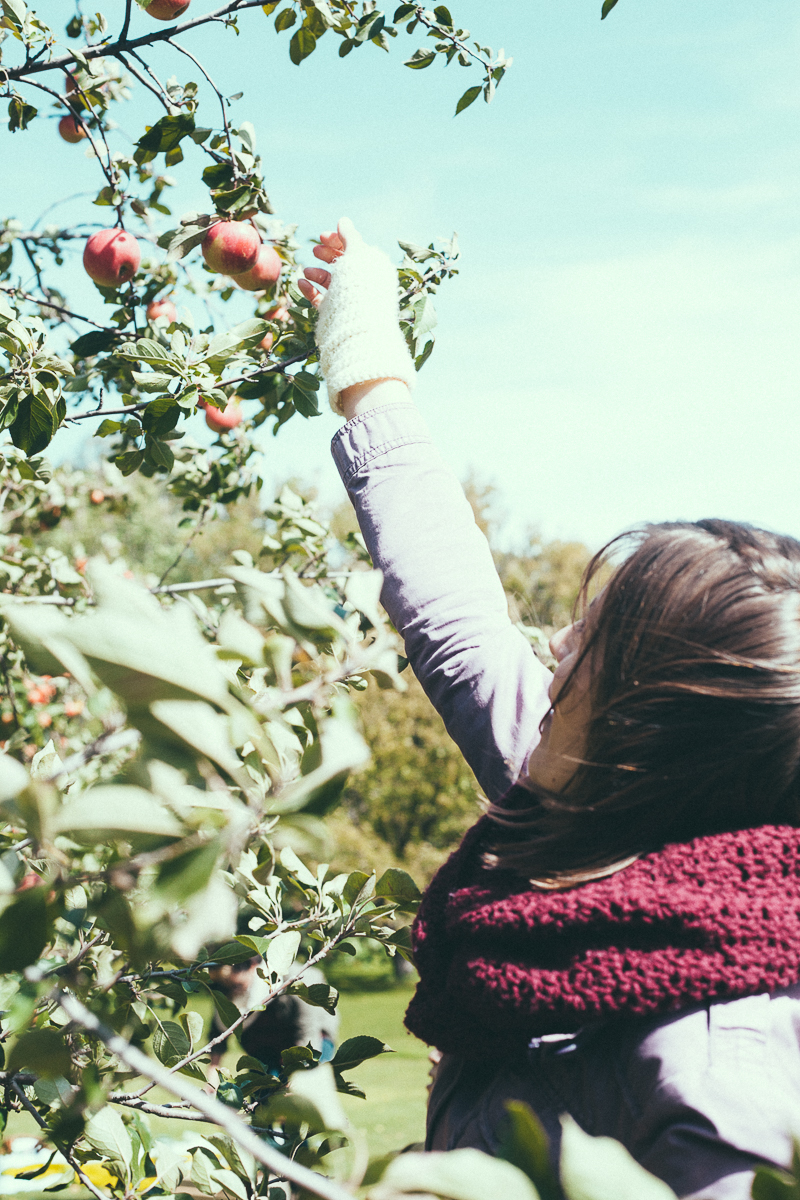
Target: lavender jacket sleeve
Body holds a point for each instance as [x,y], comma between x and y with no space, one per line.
[442,592]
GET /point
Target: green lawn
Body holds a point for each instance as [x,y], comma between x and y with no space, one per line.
[393,1114]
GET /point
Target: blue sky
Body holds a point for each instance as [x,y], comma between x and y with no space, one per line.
[622,343]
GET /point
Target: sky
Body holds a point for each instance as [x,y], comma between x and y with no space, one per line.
[621,344]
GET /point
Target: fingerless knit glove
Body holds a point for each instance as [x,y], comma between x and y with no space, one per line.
[358,335]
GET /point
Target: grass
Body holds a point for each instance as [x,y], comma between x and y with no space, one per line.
[393,1114]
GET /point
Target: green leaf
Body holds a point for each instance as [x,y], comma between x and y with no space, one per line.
[524,1143]
[152,381]
[442,15]
[305,402]
[469,96]
[458,1175]
[107,1133]
[602,1169]
[356,1050]
[281,952]
[179,878]
[226,1010]
[607,7]
[159,454]
[228,1093]
[43,1051]
[20,114]
[420,59]
[320,995]
[285,19]
[32,428]
[24,930]
[769,1184]
[163,137]
[302,44]
[170,1043]
[130,461]
[115,809]
[93,343]
[398,886]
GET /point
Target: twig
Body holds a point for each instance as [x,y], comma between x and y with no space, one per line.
[106,743]
[177,1112]
[220,97]
[126,23]
[137,75]
[278,990]
[111,49]
[212,1108]
[198,524]
[68,1154]
[66,312]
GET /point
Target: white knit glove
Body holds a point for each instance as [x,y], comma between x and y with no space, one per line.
[358,333]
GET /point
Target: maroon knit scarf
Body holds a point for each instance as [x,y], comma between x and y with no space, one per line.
[712,919]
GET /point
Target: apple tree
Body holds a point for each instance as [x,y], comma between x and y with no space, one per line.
[170,750]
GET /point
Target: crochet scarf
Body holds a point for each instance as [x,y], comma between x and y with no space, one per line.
[713,919]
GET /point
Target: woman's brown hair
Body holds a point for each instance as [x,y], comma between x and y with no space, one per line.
[695,723]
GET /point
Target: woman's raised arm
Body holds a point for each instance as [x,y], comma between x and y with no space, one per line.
[440,589]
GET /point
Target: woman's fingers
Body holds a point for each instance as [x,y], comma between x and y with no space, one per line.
[317,275]
[327,253]
[311,294]
[334,240]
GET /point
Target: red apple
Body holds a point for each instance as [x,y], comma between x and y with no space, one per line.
[162,308]
[71,129]
[166,10]
[111,257]
[231,247]
[266,342]
[222,419]
[266,272]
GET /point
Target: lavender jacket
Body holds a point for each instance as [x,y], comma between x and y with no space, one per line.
[700,1098]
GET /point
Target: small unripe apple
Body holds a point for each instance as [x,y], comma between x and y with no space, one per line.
[222,419]
[71,130]
[162,308]
[166,10]
[111,257]
[265,273]
[231,247]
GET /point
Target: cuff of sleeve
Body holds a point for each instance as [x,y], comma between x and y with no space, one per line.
[374,433]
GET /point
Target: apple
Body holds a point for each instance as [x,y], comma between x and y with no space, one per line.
[97,496]
[231,247]
[166,10]
[162,308]
[265,273]
[111,257]
[222,419]
[266,342]
[71,129]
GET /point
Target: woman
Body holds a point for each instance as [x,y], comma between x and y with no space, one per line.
[619,937]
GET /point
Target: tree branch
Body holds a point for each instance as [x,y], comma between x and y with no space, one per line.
[65,312]
[68,1155]
[242,1134]
[111,49]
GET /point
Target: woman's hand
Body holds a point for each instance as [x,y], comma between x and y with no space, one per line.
[357,397]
